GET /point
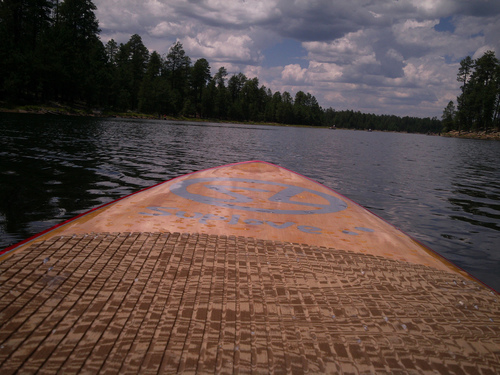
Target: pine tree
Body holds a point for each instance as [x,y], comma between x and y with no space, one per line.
[479,102]
[222,95]
[24,25]
[138,56]
[463,76]
[200,77]
[76,36]
[178,66]
[448,117]
[153,93]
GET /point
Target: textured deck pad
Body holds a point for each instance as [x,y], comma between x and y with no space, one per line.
[149,303]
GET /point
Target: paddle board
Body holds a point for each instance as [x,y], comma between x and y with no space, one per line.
[247,267]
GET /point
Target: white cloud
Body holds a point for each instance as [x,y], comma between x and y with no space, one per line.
[293,74]
[343,50]
[477,32]
[225,46]
[482,50]
[168,28]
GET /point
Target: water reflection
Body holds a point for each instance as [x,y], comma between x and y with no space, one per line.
[444,192]
[39,185]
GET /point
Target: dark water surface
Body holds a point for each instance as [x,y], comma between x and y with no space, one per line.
[444,192]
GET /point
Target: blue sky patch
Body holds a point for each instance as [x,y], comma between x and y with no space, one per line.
[445,24]
[287,52]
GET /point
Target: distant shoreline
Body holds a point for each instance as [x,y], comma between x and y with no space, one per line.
[66,111]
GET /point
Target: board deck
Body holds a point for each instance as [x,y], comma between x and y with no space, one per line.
[247,267]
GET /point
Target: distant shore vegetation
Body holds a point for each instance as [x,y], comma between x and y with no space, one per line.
[51,52]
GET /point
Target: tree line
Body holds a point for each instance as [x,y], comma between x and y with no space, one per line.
[50,50]
[478,105]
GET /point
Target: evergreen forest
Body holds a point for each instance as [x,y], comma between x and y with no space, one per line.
[478,105]
[51,52]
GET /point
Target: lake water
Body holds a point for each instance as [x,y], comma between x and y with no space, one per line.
[444,192]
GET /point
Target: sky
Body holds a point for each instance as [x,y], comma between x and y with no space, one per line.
[396,57]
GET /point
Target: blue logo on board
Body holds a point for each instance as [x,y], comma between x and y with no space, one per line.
[238,192]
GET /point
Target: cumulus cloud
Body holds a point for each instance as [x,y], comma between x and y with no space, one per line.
[369,55]
[294,74]
[223,46]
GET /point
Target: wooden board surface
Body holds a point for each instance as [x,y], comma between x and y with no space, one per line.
[244,268]
[256,199]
